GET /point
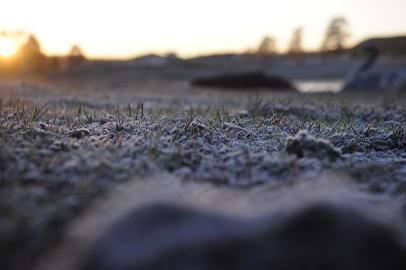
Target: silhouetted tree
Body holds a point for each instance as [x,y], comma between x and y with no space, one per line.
[76,51]
[30,57]
[31,47]
[75,57]
[267,46]
[336,35]
[295,46]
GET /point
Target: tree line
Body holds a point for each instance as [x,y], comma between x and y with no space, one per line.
[335,39]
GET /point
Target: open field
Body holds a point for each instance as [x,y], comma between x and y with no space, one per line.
[65,146]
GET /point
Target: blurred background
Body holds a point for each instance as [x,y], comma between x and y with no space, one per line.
[315,44]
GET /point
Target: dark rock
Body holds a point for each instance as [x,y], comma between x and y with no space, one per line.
[321,237]
[352,148]
[79,133]
[244,80]
[305,145]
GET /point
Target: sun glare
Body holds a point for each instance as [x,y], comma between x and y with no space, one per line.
[7,47]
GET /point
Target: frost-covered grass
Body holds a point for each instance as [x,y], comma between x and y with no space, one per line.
[58,154]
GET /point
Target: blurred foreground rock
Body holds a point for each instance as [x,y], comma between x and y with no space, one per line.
[323,236]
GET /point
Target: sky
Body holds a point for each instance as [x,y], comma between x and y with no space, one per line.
[126,28]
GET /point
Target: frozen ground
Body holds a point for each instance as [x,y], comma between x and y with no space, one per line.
[64,146]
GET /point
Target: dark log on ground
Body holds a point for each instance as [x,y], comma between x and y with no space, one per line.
[244,81]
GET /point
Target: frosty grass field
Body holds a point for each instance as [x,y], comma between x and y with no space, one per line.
[63,149]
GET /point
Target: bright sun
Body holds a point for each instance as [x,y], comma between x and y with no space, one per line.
[7,47]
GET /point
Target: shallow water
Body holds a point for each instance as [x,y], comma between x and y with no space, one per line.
[317,86]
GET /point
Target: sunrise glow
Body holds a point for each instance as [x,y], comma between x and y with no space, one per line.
[7,47]
[125,28]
